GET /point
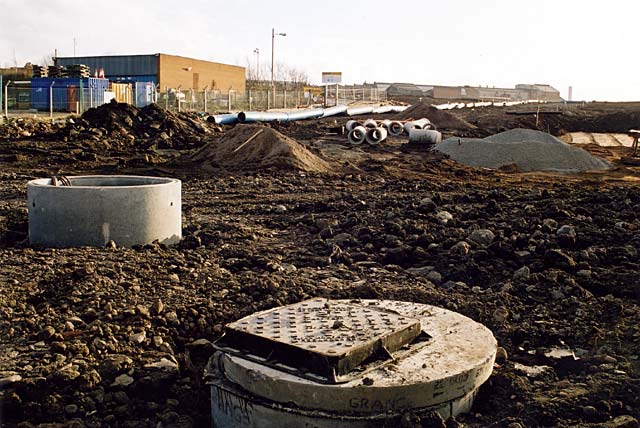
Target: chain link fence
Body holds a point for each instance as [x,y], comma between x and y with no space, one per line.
[38,98]
[24,98]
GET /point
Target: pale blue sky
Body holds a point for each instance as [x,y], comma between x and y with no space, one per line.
[589,44]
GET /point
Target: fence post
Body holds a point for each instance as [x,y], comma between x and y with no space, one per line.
[268,99]
[51,99]
[229,100]
[284,99]
[250,101]
[6,99]
[205,100]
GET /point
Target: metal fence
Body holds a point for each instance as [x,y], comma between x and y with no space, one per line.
[26,98]
[347,94]
[214,100]
[29,98]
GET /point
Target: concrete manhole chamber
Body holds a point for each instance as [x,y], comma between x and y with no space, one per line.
[348,363]
[92,210]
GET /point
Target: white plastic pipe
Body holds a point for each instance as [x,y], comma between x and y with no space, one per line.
[355,111]
[383,109]
[357,135]
[376,135]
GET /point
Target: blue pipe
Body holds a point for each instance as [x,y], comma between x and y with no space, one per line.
[225,119]
[313,113]
[334,111]
[261,116]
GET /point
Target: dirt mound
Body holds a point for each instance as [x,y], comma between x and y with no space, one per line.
[182,130]
[524,149]
[251,147]
[441,118]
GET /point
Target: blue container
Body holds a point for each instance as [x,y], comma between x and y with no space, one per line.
[133,79]
[69,94]
[143,93]
[97,88]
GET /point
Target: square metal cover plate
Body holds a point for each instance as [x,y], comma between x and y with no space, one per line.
[320,339]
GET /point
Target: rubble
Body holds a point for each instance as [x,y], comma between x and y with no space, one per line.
[381,225]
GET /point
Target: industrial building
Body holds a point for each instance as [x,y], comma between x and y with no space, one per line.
[410,92]
[165,71]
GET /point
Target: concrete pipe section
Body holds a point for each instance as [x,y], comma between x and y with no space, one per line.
[423,123]
[425,136]
[395,128]
[348,363]
[357,135]
[370,123]
[351,124]
[376,135]
[95,209]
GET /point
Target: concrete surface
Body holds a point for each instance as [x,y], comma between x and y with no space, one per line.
[129,210]
[442,374]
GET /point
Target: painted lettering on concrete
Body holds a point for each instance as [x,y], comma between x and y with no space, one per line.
[359,403]
[239,409]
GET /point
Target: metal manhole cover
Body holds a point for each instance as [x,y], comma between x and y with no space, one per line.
[320,339]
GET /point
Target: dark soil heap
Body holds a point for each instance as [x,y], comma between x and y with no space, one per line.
[253,147]
[182,130]
[442,119]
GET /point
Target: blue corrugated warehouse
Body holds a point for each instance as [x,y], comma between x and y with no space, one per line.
[165,71]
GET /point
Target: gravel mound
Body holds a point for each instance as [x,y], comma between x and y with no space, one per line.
[520,134]
[528,150]
[252,147]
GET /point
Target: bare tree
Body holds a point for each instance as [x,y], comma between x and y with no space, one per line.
[46,60]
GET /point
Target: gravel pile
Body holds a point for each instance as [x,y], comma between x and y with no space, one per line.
[527,149]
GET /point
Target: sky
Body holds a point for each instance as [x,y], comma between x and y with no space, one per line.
[587,44]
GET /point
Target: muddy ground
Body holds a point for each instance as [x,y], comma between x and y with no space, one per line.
[118,337]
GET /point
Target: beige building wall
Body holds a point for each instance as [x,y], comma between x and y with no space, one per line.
[189,73]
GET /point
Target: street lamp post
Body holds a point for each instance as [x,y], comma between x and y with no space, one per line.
[273,38]
[257,52]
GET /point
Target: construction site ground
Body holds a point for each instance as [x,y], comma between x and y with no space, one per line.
[118,337]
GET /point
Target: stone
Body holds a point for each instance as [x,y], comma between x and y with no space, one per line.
[115,364]
[158,307]
[138,338]
[280,209]
[174,278]
[122,380]
[501,355]
[482,237]
[427,206]
[444,217]
[566,236]
[549,224]
[461,249]
[8,380]
[522,274]
[46,333]
[143,311]
[558,258]
[435,277]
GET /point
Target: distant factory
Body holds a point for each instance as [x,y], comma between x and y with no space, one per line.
[166,72]
[411,92]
